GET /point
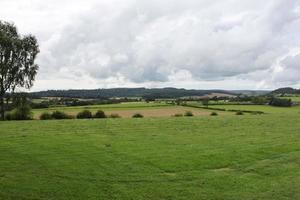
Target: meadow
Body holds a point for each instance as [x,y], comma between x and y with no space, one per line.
[293,98]
[226,157]
[229,157]
[263,108]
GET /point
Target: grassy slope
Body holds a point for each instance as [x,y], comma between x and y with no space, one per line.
[230,157]
[294,99]
[265,108]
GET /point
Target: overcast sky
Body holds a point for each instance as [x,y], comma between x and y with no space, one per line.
[201,44]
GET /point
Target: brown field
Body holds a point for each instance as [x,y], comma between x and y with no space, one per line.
[148,112]
[160,112]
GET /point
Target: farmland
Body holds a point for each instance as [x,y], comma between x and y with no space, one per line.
[293,98]
[128,109]
[264,108]
[228,157]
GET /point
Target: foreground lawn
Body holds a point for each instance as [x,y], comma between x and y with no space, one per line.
[224,157]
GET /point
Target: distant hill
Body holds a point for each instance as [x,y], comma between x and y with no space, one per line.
[251,92]
[127,92]
[286,90]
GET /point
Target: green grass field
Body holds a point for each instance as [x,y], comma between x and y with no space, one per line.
[294,99]
[105,107]
[225,157]
[264,108]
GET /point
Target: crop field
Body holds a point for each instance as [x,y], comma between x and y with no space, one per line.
[128,109]
[225,157]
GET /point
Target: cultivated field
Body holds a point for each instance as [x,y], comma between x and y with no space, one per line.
[229,157]
[126,110]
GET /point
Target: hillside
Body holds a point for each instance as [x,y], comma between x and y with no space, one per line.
[286,90]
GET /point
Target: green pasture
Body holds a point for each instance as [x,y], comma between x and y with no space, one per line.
[230,158]
[294,99]
[105,107]
[264,108]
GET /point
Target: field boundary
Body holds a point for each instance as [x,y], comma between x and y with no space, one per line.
[225,110]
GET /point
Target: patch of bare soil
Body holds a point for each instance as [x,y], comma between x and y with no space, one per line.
[159,112]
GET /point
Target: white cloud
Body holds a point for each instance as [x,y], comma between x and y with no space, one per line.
[194,43]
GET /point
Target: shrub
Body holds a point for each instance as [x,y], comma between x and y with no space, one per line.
[281,102]
[45,116]
[8,116]
[214,114]
[21,113]
[137,115]
[239,113]
[60,115]
[99,114]
[188,114]
[178,115]
[86,114]
[114,115]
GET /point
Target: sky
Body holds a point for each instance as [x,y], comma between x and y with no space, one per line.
[194,44]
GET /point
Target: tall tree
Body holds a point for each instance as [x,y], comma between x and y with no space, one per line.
[17,57]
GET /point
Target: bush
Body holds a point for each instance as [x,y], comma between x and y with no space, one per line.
[45,116]
[60,115]
[21,113]
[188,114]
[137,115]
[214,114]
[114,115]
[86,114]
[239,113]
[178,115]
[99,114]
[8,116]
[281,102]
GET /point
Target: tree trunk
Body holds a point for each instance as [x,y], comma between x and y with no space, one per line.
[2,107]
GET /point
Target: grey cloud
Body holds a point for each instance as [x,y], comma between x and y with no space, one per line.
[156,38]
[150,41]
[290,72]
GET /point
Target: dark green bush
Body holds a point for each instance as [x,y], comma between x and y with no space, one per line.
[60,115]
[8,116]
[21,113]
[214,114]
[281,102]
[178,115]
[239,113]
[86,114]
[45,116]
[137,115]
[188,114]
[99,114]
[114,115]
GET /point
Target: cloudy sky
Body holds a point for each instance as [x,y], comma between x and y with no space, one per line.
[201,44]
